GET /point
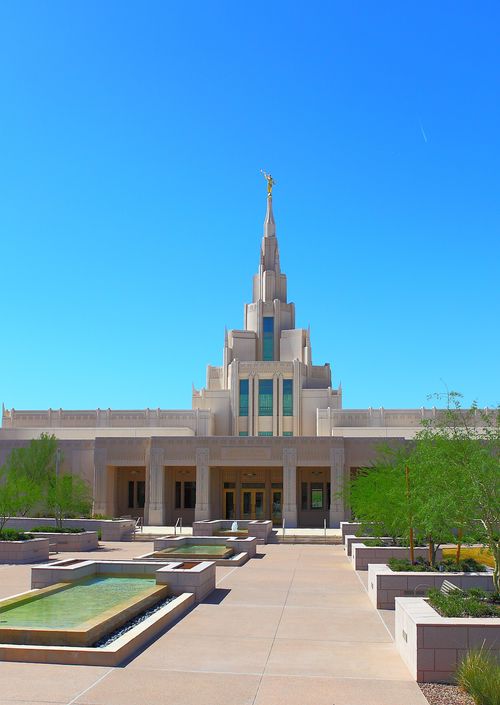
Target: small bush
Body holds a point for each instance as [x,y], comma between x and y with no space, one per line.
[14,535]
[57,530]
[479,675]
[470,603]
[373,542]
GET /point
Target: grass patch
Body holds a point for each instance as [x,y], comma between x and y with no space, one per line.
[469,603]
[479,675]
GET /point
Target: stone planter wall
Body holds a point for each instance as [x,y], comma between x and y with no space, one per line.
[111,529]
[384,584]
[349,540]
[86,541]
[432,646]
[363,555]
[31,551]
[349,528]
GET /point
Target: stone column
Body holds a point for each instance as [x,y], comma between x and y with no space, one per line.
[290,486]
[202,509]
[155,483]
[101,500]
[336,485]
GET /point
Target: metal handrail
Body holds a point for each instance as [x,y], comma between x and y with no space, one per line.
[324,528]
[284,524]
[139,525]
[178,525]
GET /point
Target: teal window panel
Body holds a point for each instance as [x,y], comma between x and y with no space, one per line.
[268,341]
[288,397]
[288,433]
[265,397]
[265,433]
[243,433]
[243,397]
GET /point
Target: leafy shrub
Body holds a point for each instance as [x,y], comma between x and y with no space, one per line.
[479,675]
[14,535]
[373,542]
[447,565]
[57,530]
[470,603]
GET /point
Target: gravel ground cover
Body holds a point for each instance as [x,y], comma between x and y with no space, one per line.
[440,694]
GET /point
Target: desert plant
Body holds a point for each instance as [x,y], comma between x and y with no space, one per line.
[479,675]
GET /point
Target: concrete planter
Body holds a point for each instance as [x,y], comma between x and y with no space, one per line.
[261,530]
[432,646]
[111,529]
[86,541]
[349,528]
[349,540]
[30,551]
[363,555]
[384,584]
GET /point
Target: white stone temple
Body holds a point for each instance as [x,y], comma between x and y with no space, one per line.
[266,438]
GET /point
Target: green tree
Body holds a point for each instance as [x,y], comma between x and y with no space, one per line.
[23,477]
[457,459]
[67,496]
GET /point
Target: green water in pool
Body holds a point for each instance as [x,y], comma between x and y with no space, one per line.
[193,549]
[72,606]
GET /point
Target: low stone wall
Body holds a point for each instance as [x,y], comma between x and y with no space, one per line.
[261,530]
[349,540]
[432,646]
[111,529]
[363,555]
[384,584]
[349,528]
[31,551]
[239,545]
[86,541]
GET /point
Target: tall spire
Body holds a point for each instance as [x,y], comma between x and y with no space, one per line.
[269,224]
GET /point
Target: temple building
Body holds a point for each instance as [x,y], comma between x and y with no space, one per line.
[267,436]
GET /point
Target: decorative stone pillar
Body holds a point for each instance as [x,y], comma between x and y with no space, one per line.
[290,486]
[337,510]
[155,483]
[202,509]
[101,500]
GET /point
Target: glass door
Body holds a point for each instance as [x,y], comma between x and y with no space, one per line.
[253,504]
[229,508]
[277,507]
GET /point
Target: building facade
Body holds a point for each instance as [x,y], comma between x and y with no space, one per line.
[266,438]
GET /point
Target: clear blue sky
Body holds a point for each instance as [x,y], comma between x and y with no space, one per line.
[131,204]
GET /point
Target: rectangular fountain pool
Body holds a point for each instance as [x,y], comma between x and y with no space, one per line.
[192,550]
[79,613]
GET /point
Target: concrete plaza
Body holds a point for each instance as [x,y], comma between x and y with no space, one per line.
[291,627]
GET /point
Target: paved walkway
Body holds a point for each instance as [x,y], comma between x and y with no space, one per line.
[294,627]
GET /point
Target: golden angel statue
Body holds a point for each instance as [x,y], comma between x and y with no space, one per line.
[270,182]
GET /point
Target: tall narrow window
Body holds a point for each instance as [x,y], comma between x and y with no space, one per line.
[141,494]
[288,397]
[243,397]
[268,342]
[131,494]
[265,397]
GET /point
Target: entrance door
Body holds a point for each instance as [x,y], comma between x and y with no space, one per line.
[253,504]
[229,508]
[276,506]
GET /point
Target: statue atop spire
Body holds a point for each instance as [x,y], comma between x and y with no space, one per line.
[270,183]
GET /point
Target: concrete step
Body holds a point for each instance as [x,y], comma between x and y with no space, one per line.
[328,540]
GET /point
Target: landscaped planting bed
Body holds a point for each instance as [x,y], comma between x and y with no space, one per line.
[385,585]
[24,550]
[432,645]
[363,555]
